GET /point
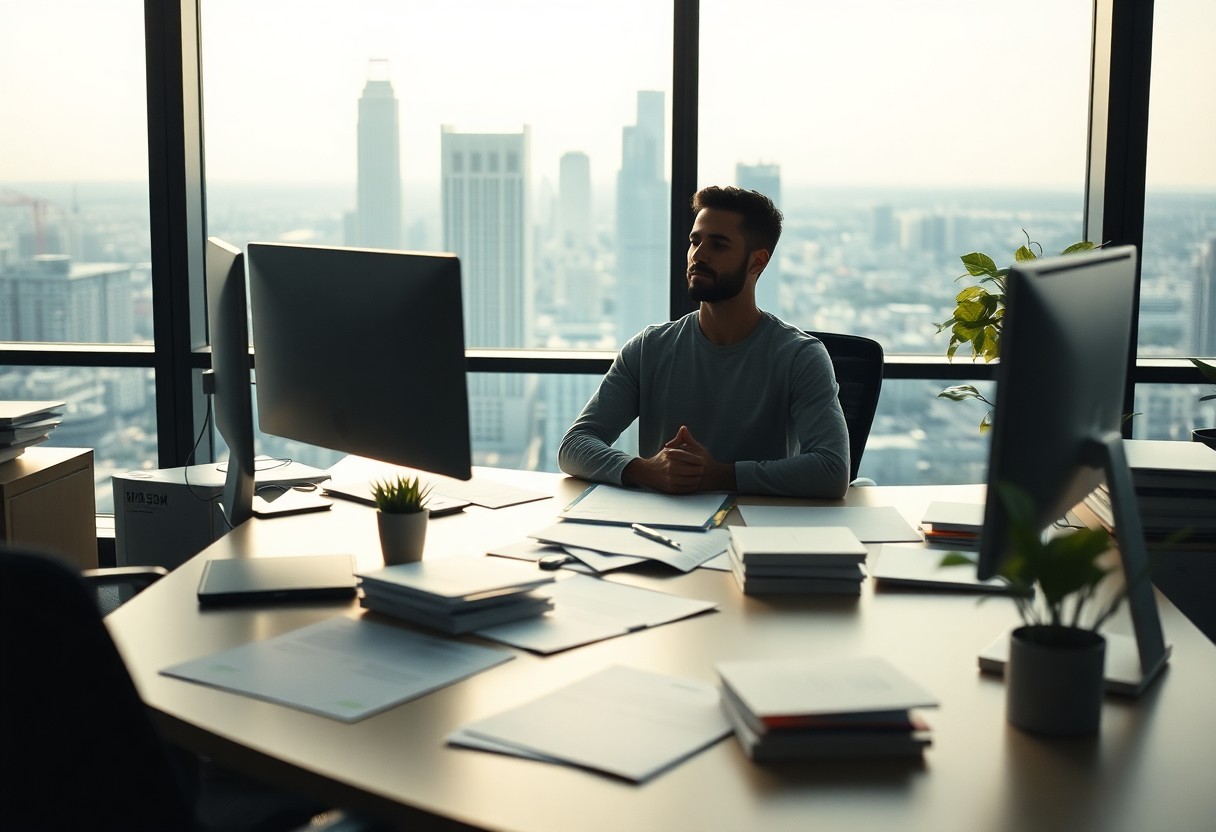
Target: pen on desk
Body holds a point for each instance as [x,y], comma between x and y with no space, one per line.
[646,531]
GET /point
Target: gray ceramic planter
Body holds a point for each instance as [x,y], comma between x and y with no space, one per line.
[1053,680]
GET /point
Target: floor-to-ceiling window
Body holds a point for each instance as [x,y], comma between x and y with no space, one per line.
[1178,274]
[537,153]
[926,97]
[75,260]
[897,137]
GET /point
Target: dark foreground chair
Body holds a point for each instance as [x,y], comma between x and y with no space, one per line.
[858,364]
[78,750]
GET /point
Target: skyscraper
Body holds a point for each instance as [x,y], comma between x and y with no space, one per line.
[486,222]
[642,264]
[379,190]
[767,180]
[574,199]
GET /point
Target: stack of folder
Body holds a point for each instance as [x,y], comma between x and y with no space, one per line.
[456,595]
[25,424]
[796,559]
[786,710]
[956,525]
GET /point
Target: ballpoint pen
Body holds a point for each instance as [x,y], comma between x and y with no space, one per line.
[646,531]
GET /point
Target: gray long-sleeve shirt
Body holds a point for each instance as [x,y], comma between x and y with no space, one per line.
[767,403]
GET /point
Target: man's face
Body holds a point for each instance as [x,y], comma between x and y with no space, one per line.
[718,256]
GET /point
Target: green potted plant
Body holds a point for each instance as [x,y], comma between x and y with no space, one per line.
[1054,673]
[402,517]
[979,314]
[1205,435]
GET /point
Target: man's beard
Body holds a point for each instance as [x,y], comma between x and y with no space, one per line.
[722,286]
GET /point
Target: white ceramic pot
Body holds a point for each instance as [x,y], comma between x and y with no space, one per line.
[402,536]
[1053,680]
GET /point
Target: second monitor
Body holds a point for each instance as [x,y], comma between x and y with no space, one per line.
[362,351]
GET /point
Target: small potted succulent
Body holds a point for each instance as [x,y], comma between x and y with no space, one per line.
[1054,674]
[402,516]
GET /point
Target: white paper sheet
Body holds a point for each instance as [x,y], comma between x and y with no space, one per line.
[590,609]
[621,506]
[871,524]
[695,547]
[341,668]
[623,721]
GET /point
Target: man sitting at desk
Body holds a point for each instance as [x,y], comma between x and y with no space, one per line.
[728,398]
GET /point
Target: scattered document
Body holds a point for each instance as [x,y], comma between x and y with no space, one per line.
[590,609]
[917,567]
[621,721]
[695,547]
[341,668]
[871,524]
[622,506]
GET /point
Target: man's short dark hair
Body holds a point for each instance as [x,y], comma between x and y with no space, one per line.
[761,224]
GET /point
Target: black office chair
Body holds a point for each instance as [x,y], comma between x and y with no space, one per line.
[78,749]
[858,364]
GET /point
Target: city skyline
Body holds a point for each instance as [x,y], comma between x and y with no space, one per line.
[275,70]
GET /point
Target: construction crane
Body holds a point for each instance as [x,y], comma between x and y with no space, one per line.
[39,206]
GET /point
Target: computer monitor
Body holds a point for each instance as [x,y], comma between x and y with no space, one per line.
[362,351]
[1065,346]
[227,320]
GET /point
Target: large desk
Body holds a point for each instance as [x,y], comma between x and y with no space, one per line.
[1153,765]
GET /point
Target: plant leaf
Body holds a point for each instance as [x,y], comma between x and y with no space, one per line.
[1077,247]
[1208,369]
[1023,254]
[979,264]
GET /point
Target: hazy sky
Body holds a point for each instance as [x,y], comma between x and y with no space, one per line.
[957,93]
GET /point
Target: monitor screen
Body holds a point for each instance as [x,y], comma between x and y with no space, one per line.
[1060,384]
[227,314]
[362,351]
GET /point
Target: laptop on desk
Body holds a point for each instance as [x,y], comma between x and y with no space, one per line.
[361,492]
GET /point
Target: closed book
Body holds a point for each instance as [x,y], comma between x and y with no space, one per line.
[945,516]
[440,606]
[782,545]
[791,585]
[792,746]
[14,413]
[461,621]
[778,689]
[457,580]
[840,571]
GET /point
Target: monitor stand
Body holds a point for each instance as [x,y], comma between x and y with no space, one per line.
[1132,662]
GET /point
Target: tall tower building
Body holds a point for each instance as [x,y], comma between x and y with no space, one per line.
[1205,298]
[378,224]
[574,200]
[642,262]
[486,222]
[767,180]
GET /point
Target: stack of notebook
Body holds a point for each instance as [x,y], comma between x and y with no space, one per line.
[1175,484]
[457,595]
[794,709]
[956,525]
[796,559]
[24,424]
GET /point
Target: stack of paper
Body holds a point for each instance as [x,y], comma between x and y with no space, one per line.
[24,424]
[796,559]
[456,595]
[1175,484]
[801,710]
[956,525]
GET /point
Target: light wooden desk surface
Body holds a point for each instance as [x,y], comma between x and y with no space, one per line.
[1153,765]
